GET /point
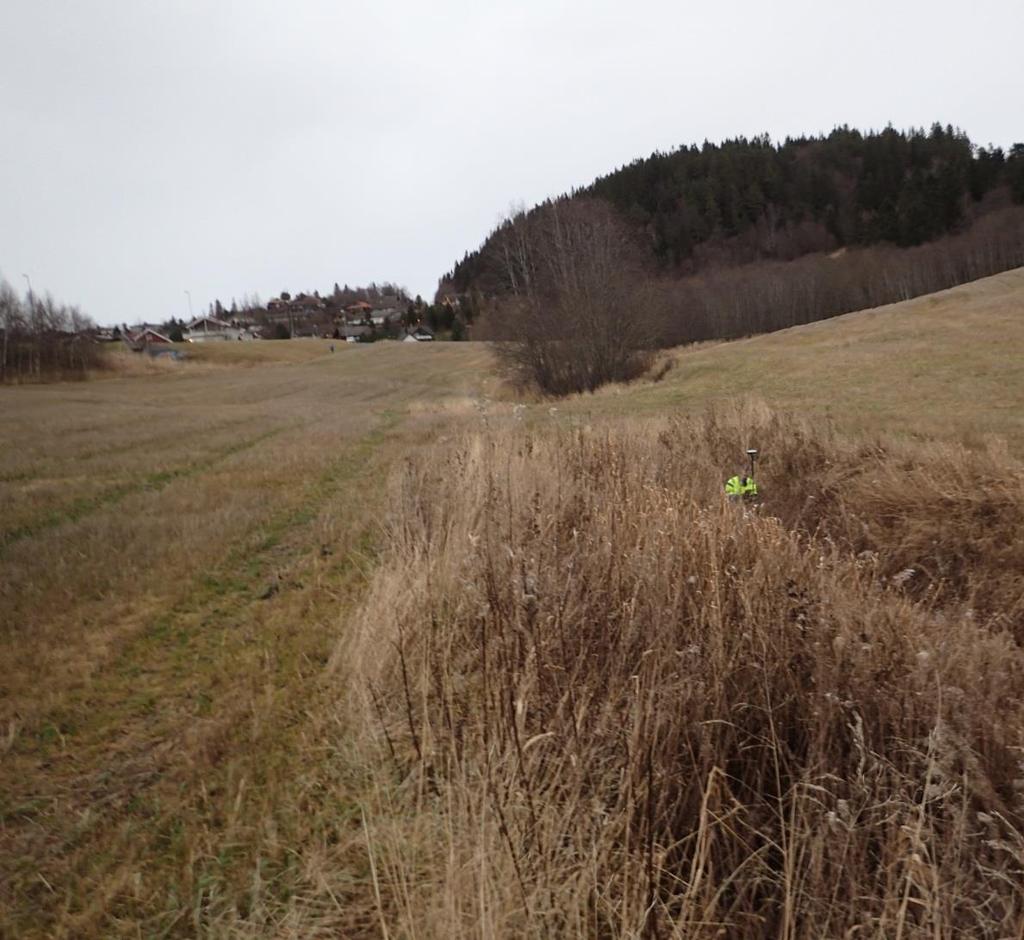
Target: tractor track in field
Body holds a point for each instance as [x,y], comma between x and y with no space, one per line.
[47,464]
[135,767]
[78,509]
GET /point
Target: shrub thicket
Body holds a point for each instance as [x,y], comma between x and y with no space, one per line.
[641,311]
[773,295]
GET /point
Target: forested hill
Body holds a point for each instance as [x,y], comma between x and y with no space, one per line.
[745,200]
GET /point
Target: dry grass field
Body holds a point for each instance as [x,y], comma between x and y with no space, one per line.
[304,644]
[121,361]
[175,551]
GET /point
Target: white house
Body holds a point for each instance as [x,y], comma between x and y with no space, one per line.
[207,329]
[419,334]
[381,317]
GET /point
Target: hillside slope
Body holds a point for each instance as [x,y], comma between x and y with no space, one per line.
[946,365]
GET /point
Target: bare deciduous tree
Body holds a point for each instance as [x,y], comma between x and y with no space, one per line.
[577,313]
[41,338]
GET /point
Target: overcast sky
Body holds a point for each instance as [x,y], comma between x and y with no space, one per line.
[227,147]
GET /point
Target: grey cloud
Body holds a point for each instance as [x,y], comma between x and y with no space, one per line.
[230,147]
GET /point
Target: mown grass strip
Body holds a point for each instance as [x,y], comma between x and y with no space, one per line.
[84,506]
[174,668]
[46,463]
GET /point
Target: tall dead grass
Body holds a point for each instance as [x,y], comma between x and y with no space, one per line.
[607,704]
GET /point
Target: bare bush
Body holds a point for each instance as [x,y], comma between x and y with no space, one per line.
[578,313]
[616,706]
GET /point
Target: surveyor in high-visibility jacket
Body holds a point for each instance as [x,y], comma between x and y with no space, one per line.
[740,486]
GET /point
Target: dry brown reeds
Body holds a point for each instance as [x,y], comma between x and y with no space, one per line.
[612,705]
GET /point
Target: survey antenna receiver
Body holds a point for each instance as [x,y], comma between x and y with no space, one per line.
[752,454]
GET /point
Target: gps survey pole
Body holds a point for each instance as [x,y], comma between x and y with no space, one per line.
[752,454]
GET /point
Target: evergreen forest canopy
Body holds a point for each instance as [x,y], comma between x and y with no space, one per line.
[747,200]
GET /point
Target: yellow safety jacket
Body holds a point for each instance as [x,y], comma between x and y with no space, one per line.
[740,486]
